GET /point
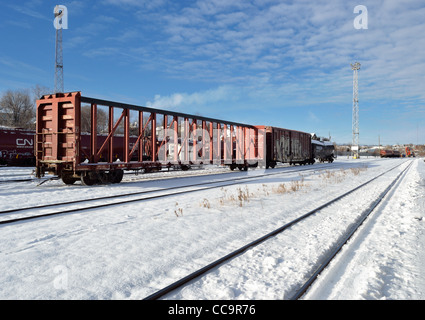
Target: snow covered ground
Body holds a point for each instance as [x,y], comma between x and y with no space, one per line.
[129,251]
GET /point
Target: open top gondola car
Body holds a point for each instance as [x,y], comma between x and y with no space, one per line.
[163,139]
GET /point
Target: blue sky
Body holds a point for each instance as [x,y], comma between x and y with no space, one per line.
[279,63]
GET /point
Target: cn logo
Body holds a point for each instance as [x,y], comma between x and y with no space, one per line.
[24,142]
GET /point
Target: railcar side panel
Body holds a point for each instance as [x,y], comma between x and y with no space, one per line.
[17,147]
[286,146]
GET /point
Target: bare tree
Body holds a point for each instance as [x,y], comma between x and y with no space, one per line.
[102,119]
[38,91]
[17,109]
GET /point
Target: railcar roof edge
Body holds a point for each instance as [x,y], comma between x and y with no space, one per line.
[160,111]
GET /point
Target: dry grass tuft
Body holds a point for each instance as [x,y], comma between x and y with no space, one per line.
[178,211]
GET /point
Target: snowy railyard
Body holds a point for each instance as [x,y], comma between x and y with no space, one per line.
[129,251]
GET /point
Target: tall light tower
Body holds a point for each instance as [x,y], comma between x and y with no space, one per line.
[59,24]
[355,145]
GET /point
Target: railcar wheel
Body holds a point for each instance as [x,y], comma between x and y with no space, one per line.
[116,176]
[87,180]
[68,179]
[103,177]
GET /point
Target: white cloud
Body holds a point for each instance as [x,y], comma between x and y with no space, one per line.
[30,9]
[312,117]
[198,99]
[289,51]
[146,4]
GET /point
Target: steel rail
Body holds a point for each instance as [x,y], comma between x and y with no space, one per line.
[106,205]
[365,214]
[17,180]
[160,293]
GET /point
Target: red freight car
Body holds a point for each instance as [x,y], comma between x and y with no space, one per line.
[286,146]
[17,147]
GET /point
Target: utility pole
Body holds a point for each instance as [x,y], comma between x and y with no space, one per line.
[355,145]
[58,53]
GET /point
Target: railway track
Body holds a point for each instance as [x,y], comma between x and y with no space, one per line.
[147,195]
[15,177]
[160,175]
[324,260]
[348,235]
[17,180]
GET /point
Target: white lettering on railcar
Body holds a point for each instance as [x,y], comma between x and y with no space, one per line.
[24,142]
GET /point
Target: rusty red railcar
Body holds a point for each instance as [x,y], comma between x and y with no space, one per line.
[159,139]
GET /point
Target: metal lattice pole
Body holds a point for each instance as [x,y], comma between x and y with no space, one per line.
[59,59]
[355,144]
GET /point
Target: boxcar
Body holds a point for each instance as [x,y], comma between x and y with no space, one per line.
[286,146]
[17,147]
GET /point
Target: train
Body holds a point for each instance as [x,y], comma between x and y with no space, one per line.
[17,147]
[158,139]
[390,153]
